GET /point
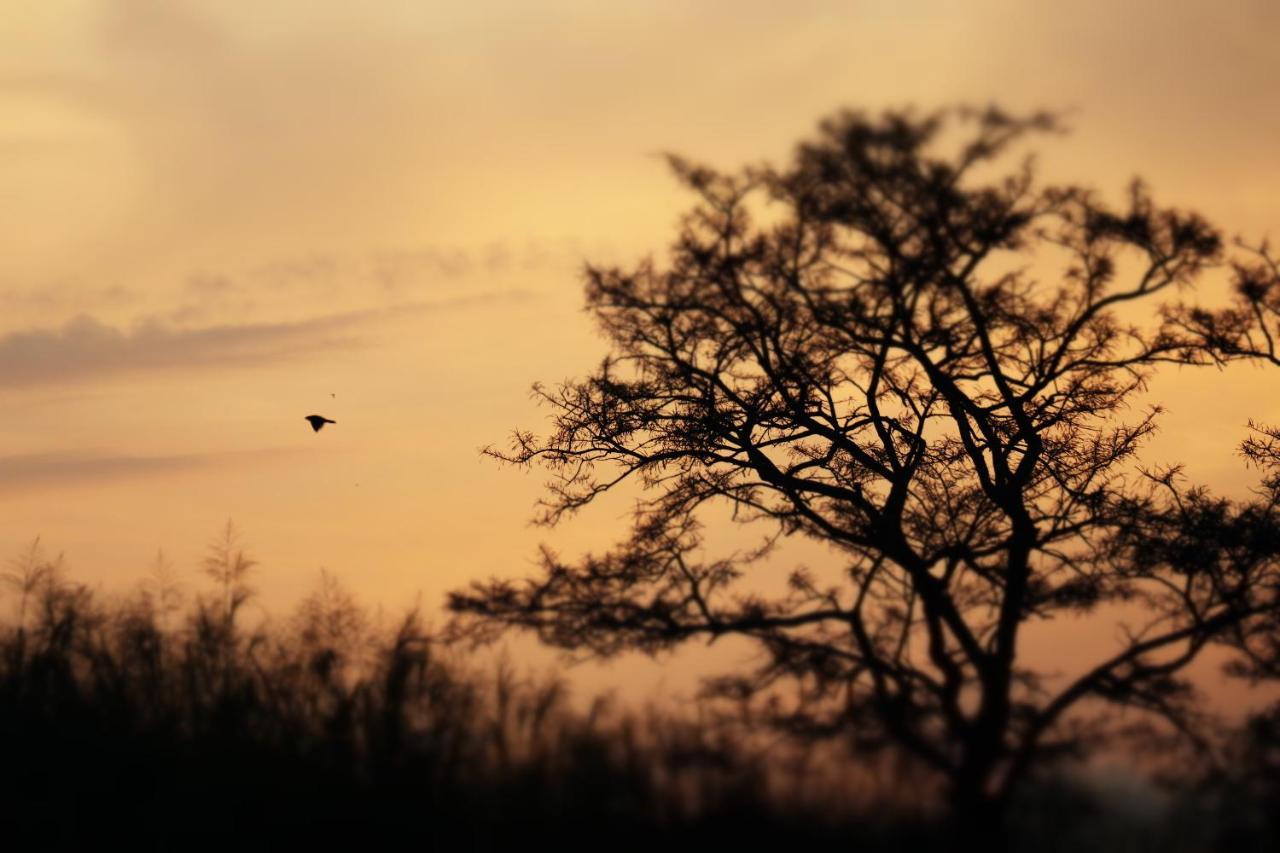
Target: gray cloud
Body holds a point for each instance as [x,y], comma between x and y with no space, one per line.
[29,471]
[87,348]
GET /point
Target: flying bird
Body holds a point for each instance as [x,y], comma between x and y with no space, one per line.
[317,421]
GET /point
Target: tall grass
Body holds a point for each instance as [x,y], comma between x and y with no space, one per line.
[168,722]
[164,720]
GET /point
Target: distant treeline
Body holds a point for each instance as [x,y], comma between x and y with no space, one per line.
[162,721]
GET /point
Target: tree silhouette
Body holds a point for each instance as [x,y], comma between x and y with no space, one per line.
[893,348]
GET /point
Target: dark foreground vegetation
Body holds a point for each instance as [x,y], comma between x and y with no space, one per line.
[165,720]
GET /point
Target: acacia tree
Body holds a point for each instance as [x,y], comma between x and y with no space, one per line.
[892,348]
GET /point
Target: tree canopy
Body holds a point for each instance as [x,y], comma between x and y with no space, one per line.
[901,346]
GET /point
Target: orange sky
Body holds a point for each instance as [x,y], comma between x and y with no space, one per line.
[216,215]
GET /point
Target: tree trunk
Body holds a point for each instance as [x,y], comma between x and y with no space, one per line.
[977,817]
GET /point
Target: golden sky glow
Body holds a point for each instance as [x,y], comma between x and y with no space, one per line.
[216,215]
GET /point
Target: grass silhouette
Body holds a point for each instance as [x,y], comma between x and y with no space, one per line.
[170,726]
[163,722]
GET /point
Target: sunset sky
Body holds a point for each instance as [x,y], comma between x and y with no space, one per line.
[218,217]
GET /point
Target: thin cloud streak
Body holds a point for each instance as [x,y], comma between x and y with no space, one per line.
[62,296]
[85,347]
[61,468]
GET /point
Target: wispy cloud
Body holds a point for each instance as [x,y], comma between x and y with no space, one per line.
[36,470]
[63,295]
[397,269]
[86,348]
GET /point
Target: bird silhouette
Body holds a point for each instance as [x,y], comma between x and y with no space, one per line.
[317,421]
